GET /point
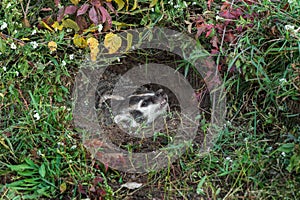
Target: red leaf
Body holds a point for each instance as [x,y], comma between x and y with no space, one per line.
[208,33]
[226,14]
[229,37]
[82,10]
[70,10]
[46,9]
[105,16]
[81,189]
[110,6]
[200,29]
[80,20]
[56,2]
[96,3]
[215,41]
[209,2]
[93,15]
[60,14]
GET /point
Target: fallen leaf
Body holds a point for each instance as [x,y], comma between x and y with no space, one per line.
[69,10]
[112,42]
[79,41]
[52,46]
[62,187]
[68,23]
[120,4]
[93,16]
[131,185]
[82,10]
[56,26]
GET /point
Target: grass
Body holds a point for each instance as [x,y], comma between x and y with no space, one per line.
[256,155]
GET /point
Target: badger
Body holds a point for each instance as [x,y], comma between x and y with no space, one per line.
[138,109]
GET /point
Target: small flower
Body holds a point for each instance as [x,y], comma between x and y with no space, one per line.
[3,26]
[13,46]
[69,30]
[15,32]
[34,44]
[63,63]
[17,73]
[283,154]
[100,27]
[177,6]
[36,116]
[282,81]
[289,27]
[152,9]
[194,3]
[8,5]
[4,68]
[60,144]
[71,56]
[33,32]
[73,147]
[228,158]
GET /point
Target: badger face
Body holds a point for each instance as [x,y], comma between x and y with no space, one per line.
[143,108]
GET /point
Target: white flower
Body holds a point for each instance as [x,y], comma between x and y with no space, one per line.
[13,46]
[3,26]
[71,56]
[194,3]
[152,9]
[33,32]
[8,5]
[74,147]
[15,31]
[36,116]
[69,30]
[282,81]
[289,27]
[283,154]
[176,6]
[4,68]
[60,144]
[63,63]
[17,73]
[100,27]
[34,44]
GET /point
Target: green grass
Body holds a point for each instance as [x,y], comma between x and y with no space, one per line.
[256,155]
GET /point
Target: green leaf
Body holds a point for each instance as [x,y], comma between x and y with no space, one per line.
[68,23]
[2,46]
[286,148]
[20,167]
[120,4]
[42,170]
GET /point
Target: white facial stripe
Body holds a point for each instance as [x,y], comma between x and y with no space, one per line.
[142,95]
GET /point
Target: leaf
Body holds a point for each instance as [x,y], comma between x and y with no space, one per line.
[42,171]
[286,148]
[52,46]
[93,44]
[120,25]
[75,2]
[112,42]
[153,3]
[93,16]
[82,23]
[68,23]
[131,185]
[82,10]
[45,25]
[56,2]
[120,4]
[69,10]
[60,14]
[2,46]
[129,41]
[79,41]
[110,6]
[105,16]
[135,4]
[56,26]
[62,187]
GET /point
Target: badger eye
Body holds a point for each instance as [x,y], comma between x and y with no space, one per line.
[145,103]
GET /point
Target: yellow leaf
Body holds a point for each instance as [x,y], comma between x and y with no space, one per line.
[79,41]
[135,4]
[56,26]
[129,41]
[25,39]
[127,4]
[112,42]
[75,2]
[153,3]
[68,23]
[120,4]
[93,43]
[94,53]
[52,46]
[63,187]
[43,24]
